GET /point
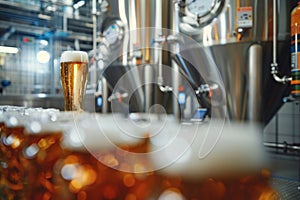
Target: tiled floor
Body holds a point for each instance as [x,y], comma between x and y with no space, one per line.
[289,190]
[285,171]
[284,128]
[286,166]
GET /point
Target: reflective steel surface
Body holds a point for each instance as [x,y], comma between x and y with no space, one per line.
[241,54]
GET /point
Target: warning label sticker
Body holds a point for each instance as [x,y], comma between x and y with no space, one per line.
[245,17]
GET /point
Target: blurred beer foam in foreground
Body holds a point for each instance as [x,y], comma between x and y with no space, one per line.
[190,150]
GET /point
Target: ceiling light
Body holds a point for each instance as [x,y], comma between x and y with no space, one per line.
[44,42]
[52,8]
[43,56]
[5,49]
[79,4]
[45,17]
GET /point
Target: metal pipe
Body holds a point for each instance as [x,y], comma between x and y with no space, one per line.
[255,82]
[104,95]
[175,49]
[284,146]
[126,30]
[9,31]
[160,78]
[275,32]
[94,14]
[274,65]
[276,129]
[148,74]
[93,67]
[157,45]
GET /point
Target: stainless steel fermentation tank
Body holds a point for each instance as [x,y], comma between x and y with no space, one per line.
[152,52]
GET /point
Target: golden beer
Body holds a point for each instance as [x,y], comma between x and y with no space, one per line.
[74,74]
[42,150]
[12,171]
[82,176]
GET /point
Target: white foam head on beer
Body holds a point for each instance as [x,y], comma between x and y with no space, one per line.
[74,56]
[97,132]
[189,150]
[209,150]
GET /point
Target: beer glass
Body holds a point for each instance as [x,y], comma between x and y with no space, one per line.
[74,74]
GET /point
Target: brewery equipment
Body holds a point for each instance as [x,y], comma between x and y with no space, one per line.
[190,58]
[212,55]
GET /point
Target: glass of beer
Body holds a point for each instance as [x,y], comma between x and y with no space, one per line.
[74,74]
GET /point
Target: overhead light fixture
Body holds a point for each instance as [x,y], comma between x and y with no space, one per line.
[51,8]
[44,42]
[79,4]
[45,17]
[6,49]
[43,56]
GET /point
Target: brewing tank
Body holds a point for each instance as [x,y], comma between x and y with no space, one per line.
[223,44]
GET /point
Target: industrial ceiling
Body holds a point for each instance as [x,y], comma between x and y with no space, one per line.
[56,19]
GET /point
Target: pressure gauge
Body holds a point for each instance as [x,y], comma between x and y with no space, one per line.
[113,32]
[199,13]
[200,7]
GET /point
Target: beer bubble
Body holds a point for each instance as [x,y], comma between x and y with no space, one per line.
[171,195]
[35,127]
[31,151]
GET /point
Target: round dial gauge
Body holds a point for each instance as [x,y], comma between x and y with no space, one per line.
[200,7]
[111,34]
[199,13]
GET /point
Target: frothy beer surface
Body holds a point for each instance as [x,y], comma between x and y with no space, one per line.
[89,156]
[74,56]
